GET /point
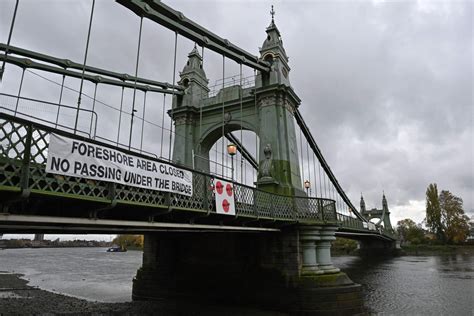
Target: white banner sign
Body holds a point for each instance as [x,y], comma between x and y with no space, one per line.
[77,158]
[224,197]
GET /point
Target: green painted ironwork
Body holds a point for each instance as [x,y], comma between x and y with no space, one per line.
[23,156]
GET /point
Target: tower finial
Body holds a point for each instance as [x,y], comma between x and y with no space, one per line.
[272,12]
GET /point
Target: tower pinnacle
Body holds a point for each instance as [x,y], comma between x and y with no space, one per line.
[272,12]
[362,203]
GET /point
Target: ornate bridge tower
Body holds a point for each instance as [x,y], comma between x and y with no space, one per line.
[288,270]
[383,215]
[267,109]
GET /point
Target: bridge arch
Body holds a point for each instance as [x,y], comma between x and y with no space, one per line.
[211,135]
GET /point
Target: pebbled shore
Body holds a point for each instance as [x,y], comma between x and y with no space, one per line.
[18,298]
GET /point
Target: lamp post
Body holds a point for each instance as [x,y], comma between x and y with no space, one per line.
[232,150]
[307,186]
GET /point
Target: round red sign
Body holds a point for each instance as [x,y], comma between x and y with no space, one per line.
[225,206]
[219,187]
[228,189]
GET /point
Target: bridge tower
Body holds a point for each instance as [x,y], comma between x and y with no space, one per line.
[369,246]
[382,214]
[288,270]
[266,109]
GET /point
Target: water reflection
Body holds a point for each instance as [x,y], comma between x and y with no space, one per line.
[428,285]
[411,285]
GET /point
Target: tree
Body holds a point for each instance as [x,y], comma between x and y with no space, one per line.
[409,231]
[129,241]
[433,212]
[445,215]
[455,222]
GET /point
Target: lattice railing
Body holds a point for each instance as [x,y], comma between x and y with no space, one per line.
[24,152]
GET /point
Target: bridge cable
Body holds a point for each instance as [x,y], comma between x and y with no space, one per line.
[84,66]
[172,97]
[223,113]
[200,106]
[59,103]
[314,174]
[241,128]
[143,122]
[333,194]
[19,91]
[2,70]
[320,182]
[93,110]
[162,125]
[301,151]
[328,191]
[135,83]
[309,168]
[120,116]
[257,152]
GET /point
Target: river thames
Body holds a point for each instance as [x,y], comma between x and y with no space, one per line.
[407,285]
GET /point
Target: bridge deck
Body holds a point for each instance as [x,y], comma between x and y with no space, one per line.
[26,189]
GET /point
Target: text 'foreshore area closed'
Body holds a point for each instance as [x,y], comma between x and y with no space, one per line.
[78,158]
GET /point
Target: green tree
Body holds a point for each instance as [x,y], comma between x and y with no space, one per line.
[433,212]
[455,222]
[408,230]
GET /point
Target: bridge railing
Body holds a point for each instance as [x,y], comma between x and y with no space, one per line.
[23,156]
[350,222]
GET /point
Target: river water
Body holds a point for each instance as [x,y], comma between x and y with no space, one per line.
[409,285]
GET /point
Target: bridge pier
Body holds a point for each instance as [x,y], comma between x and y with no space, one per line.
[288,271]
[378,247]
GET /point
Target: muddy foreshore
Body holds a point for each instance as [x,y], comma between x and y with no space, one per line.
[18,298]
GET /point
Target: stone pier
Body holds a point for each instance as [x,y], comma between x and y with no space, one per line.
[287,271]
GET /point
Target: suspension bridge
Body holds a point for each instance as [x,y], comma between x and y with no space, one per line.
[161,161]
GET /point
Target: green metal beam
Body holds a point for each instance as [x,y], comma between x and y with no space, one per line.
[176,21]
[68,64]
[32,222]
[28,63]
[245,153]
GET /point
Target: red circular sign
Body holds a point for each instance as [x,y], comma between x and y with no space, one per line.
[225,205]
[228,189]
[219,187]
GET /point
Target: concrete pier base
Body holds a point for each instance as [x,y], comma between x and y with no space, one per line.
[277,271]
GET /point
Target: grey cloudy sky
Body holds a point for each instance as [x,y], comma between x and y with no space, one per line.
[386,86]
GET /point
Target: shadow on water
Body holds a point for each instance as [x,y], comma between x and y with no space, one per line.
[422,285]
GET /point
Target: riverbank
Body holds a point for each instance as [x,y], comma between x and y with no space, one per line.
[28,243]
[414,250]
[428,250]
[18,298]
